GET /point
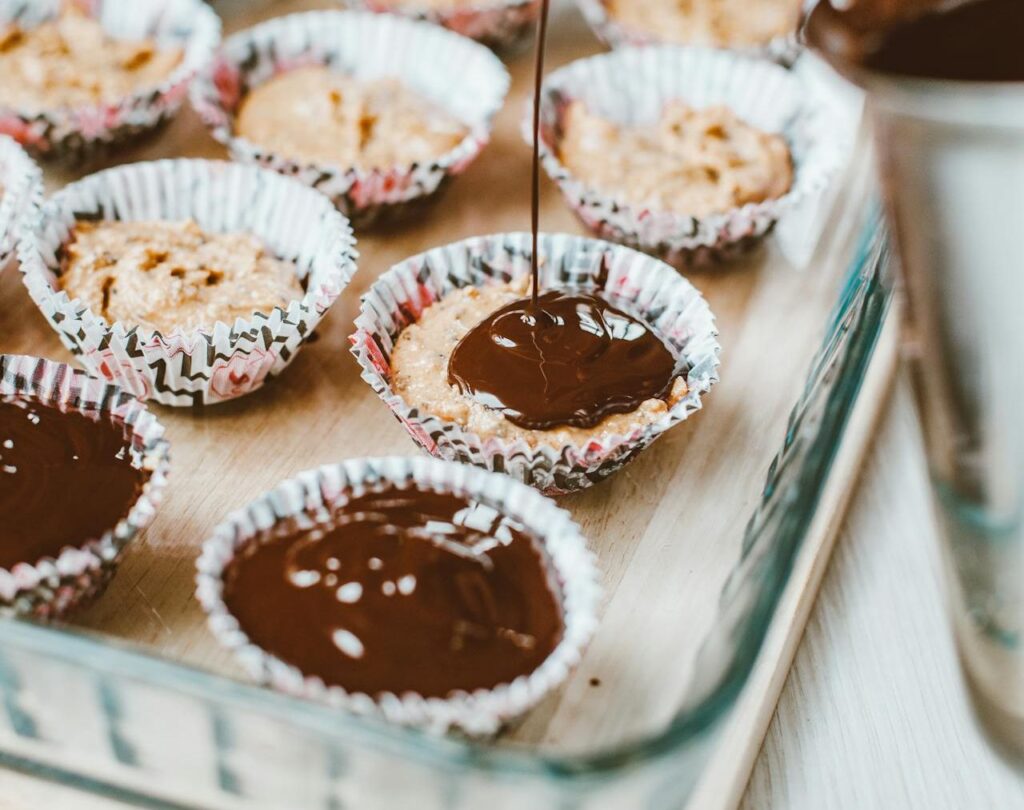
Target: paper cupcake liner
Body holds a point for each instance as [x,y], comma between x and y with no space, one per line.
[21,190]
[461,76]
[783,50]
[313,495]
[200,366]
[762,94]
[51,587]
[501,25]
[74,133]
[647,288]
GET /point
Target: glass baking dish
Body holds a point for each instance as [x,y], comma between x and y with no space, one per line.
[106,717]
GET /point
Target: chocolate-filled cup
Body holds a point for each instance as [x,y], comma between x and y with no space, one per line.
[946,91]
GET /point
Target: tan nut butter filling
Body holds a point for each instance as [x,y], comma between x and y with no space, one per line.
[315,115]
[162,275]
[721,23]
[419,366]
[71,61]
[691,161]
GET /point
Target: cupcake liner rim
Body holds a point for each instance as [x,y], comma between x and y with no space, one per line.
[58,385]
[390,305]
[21,193]
[479,713]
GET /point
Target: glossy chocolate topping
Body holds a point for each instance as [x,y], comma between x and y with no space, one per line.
[64,479]
[407,591]
[573,360]
[967,40]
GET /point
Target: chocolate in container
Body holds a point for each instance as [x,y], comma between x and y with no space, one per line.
[21,189]
[498,24]
[452,71]
[307,503]
[198,367]
[74,133]
[70,575]
[648,288]
[764,95]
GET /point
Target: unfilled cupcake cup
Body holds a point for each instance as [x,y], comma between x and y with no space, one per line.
[52,586]
[459,75]
[74,133]
[199,366]
[502,25]
[21,190]
[643,286]
[783,49]
[308,500]
[764,95]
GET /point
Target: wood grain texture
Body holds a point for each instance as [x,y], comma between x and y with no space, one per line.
[874,713]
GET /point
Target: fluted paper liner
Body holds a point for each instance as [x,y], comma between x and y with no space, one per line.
[783,49]
[21,189]
[75,132]
[461,76]
[499,24]
[761,93]
[53,586]
[312,496]
[199,366]
[640,284]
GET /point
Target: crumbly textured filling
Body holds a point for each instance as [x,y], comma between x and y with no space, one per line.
[316,115]
[708,22]
[71,61]
[691,161]
[442,5]
[419,366]
[162,275]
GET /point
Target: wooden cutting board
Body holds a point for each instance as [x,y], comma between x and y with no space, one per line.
[667,529]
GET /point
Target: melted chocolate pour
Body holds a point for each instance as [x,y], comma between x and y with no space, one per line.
[573,360]
[65,479]
[559,358]
[407,591]
[970,40]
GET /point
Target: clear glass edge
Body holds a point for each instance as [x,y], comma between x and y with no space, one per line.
[857,321]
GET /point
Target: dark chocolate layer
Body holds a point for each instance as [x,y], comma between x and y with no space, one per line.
[64,479]
[573,360]
[408,591]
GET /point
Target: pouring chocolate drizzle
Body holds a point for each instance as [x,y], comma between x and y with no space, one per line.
[561,357]
[65,479]
[407,591]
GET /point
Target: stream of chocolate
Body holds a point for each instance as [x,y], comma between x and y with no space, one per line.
[559,358]
[967,40]
[64,479]
[408,590]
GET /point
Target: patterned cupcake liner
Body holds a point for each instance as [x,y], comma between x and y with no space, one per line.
[764,95]
[75,133]
[200,366]
[310,498]
[21,190]
[636,282]
[463,77]
[502,25]
[783,50]
[51,587]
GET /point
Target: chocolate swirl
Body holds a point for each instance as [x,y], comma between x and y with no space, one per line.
[64,479]
[573,360]
[406,591]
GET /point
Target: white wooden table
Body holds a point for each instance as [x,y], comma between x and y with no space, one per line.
[873,714]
